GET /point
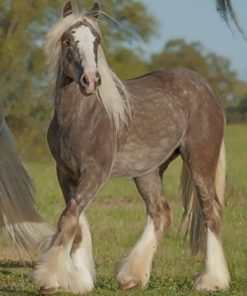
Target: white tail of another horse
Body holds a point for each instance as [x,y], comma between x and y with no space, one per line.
[19,220]
[192,209]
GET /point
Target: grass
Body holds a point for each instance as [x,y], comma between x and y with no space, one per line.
[117,219]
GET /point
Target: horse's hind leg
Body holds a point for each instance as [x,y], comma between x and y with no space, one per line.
[136,267]
[203,155]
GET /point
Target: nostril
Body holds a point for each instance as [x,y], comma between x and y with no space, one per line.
[84,80]
[90,80]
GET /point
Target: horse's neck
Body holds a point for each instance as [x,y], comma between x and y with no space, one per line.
[71,105]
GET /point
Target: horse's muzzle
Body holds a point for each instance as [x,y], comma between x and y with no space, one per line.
[89,82]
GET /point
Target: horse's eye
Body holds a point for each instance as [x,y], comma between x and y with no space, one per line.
[66,42]
[70,55]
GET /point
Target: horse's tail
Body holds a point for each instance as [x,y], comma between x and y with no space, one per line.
[19,220]
[192,209]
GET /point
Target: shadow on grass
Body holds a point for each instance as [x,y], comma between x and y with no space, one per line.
[14,278]
[11,292]
[16,264]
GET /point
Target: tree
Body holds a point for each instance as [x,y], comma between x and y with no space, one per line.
[21,57]
[216,69]
[241,107]
[127,63]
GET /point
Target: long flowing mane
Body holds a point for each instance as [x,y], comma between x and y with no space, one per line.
[112,92]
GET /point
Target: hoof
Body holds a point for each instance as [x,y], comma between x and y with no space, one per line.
[48,291]
[129,285]
[208,283]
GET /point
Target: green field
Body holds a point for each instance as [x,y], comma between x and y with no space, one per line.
[117,218]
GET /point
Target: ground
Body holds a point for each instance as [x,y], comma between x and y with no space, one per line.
[117,219]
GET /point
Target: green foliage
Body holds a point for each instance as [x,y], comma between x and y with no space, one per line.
[216,69]
[127,63]
[22,64]
[241,107]
[238,112]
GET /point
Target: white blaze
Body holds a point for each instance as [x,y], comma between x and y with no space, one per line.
[85,42]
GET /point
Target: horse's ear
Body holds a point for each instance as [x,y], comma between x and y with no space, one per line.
[94,12]
[67,10]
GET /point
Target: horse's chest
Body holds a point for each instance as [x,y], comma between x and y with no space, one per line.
[82,142]
[61,147]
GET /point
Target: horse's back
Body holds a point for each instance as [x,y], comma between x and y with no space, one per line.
[165,104]
[173,84]
[177,98]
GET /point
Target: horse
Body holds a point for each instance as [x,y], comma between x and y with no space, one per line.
[25,228]
[20,222]
[103,127]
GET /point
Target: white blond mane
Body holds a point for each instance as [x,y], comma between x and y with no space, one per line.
[112,92]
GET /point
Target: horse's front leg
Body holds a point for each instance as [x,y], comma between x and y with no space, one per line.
[68,263]
[81,251]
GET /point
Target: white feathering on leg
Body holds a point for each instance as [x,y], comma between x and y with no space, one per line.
[54,267]
[57,270]
[216,274]
[82,257]
[136,267]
